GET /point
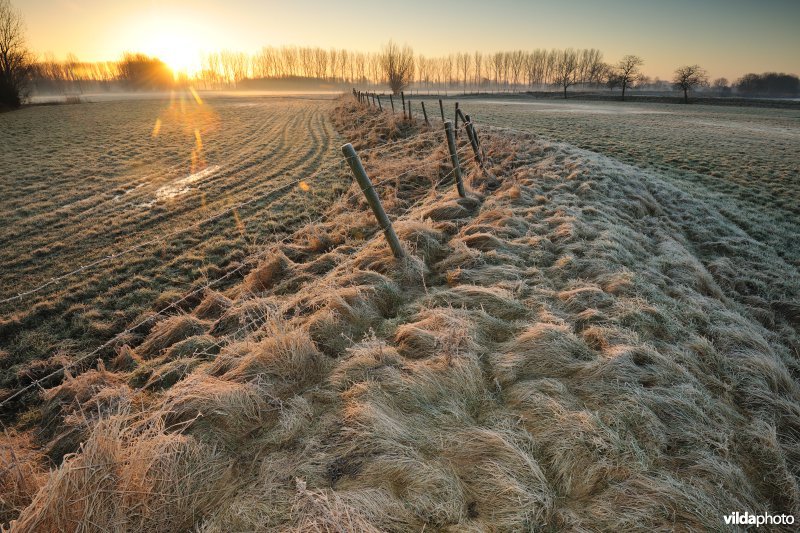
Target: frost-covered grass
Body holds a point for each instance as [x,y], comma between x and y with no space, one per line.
[84,181]
[746,160]
[585,347]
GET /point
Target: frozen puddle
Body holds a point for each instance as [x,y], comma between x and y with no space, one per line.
[184,185]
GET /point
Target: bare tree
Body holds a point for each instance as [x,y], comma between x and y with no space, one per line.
[721,86]
[688,77]
[398,66]
[15,59]
[464,62]
[628,71]
[496,62]
[478,60]
[516,61]
[567,69]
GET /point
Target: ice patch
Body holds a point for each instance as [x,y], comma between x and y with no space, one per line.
[183,185]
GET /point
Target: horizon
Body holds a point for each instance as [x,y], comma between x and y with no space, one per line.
[727,42]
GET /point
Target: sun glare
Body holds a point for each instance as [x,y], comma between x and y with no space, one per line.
[175,40]
[178,52]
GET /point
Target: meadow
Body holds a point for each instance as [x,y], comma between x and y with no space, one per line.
[582,343]
[85,182]
[745,160]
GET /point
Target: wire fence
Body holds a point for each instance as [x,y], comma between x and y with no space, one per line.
[382,150]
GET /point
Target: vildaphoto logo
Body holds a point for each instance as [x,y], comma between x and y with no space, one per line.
[750,519]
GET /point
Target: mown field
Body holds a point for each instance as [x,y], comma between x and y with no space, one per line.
[744,160]
[83,182]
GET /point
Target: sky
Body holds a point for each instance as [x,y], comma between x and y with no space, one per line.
[727,37]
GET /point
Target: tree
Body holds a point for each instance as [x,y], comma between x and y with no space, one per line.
[15,59]
[721,86]
[688,77]
[464,62]
[567,69]
[769,84]
[628,71]
[398,66]
[141,72]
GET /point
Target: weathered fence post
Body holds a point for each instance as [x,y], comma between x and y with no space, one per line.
[441,109]
[456,125]
[403,97]
[410,117]
[473,140]
[451,145]
[372,199]
[425,114]
[373,99]
[460,113]
[391,100]
[380,106]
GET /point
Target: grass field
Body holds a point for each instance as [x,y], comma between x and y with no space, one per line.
[84,182]
[744,160]
[580,344]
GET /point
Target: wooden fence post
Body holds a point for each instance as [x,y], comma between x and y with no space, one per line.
[451,145]
[441,109]
[372,199]
[473,141]
[380,106]
[373,99]
[456,119]
[403,97]
[391,100]
[409,110]
[425,114]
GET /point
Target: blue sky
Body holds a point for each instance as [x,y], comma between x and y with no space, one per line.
[727,37]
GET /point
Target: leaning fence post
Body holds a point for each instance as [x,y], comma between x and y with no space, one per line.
[473,140]
[403,97]
[425,114]
[441,109]
[451,145]
[373,99]
[372,199]
[380,106]
[456,125]
[391,100]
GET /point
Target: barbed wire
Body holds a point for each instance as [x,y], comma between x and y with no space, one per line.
[162,238]
[208,285]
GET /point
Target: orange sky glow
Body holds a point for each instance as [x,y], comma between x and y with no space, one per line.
[727,37]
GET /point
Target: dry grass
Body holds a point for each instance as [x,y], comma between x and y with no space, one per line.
[586,348]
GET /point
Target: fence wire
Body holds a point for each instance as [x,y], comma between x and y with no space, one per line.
[384,149]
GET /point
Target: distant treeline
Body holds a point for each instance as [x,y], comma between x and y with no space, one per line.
[769,84]
[132,72]
[516,70]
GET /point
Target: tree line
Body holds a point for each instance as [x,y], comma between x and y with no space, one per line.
[395,66]
[515,70]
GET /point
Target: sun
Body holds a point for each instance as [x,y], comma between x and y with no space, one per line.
[174,38]
[179,54]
